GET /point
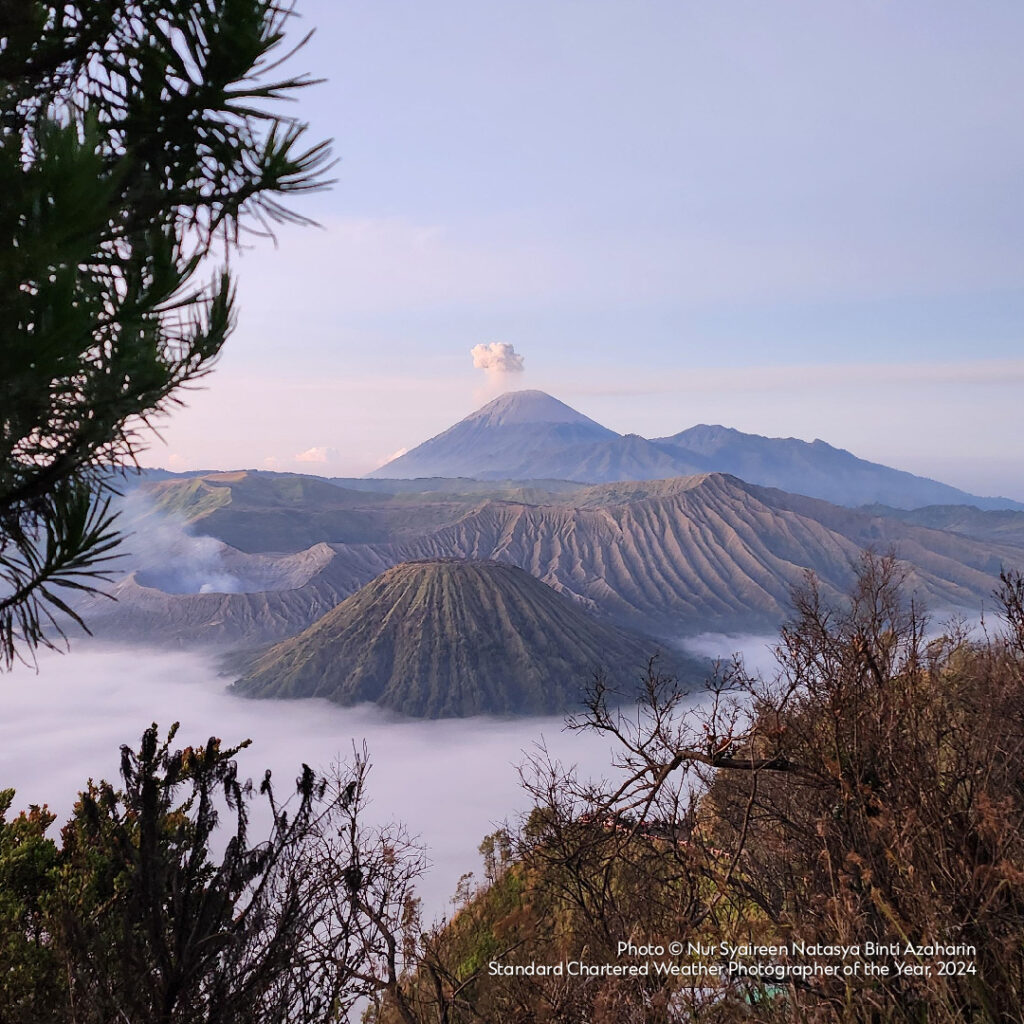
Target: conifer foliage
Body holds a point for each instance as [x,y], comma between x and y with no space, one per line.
[138,140]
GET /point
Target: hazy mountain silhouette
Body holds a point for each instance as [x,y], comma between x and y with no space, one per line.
[526,435]
[817,469]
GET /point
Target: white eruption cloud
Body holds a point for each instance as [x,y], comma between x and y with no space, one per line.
[497,357]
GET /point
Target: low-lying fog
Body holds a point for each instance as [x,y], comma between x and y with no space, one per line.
[757,651]
[450,781]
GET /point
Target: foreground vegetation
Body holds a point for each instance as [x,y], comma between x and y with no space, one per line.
[138,139]
[159,905]
[871,793]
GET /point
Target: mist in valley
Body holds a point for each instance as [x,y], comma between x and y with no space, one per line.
[451,781]
[756,650]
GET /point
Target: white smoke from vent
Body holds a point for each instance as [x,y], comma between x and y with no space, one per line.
[496,357]
[167,555]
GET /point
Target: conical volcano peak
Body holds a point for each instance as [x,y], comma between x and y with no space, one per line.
[451,637]
[528,406]
[507,438]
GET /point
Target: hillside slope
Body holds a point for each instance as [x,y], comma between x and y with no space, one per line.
[450,638]
[668,557]
[1000,526]
[709,552]
[257,511]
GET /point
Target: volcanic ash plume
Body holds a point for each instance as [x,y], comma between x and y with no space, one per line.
[497,357]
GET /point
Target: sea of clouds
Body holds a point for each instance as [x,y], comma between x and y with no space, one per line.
[450,781]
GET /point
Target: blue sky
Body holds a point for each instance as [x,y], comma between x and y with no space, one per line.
[799,218]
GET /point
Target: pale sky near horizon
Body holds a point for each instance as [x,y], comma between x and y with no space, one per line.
[797,218]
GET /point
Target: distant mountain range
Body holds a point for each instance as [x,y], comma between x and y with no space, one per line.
[667,557]
[496,566]
[528,435]
[452,637]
